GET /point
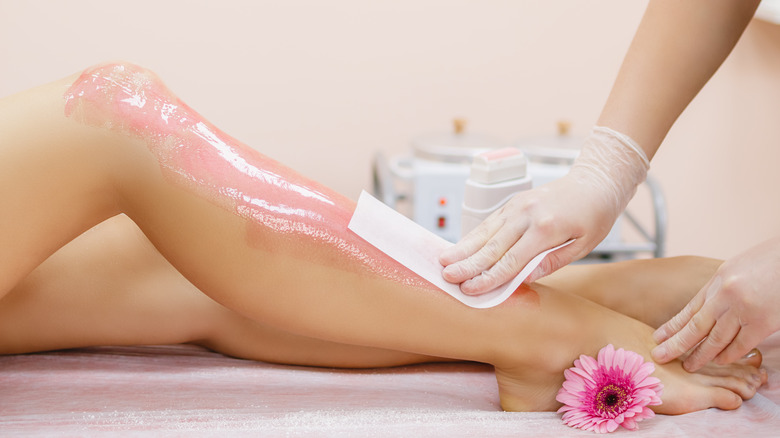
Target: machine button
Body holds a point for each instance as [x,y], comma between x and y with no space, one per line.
[442,201]
[442,221]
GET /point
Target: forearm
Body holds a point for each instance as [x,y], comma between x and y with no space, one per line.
[677,48]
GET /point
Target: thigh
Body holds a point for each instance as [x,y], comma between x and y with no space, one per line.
[53,179]
[107,287]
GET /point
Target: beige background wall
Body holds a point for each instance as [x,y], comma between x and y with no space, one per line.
[322,85]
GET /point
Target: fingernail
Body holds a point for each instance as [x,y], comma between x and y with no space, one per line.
[690,368]
[751,353]
[658,353]
[467,287]
[451,273]
[658,336]
[535,275]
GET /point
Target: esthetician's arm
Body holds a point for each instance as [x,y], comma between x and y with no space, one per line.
[678,46]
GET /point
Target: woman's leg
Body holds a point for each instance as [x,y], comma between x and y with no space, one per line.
[110,286]
[651,290]
[53,185]
[273,246]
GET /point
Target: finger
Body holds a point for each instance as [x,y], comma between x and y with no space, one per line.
[471,242]
[722,334]
[558,259]
[674,325]
[486,258]
[686,338]
[484,249]
[509,264]
[478,264]
[749,368]
[742,344]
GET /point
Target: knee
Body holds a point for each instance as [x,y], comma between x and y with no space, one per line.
[107,95]
[112,74]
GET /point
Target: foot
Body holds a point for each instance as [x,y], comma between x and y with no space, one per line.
[578,327]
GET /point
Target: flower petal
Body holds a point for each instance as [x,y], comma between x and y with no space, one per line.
[649,381]
[634,362]
[643,371]
[569,399]
[605,355]
[584,375]
[619,360]
[630,424]
[588,364]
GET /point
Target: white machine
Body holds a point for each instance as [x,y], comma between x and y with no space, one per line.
[495,177]
[429,186]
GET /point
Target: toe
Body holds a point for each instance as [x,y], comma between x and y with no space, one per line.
[726,399]
[704,398]
[744,386]
[737,370]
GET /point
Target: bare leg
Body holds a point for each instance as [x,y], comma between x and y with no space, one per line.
[651,291]
[110,286]
[282,255]
[51,190]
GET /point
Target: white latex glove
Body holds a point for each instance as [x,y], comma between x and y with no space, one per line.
[583,205]
[738,308]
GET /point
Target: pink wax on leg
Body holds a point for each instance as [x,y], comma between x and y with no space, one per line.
[195,155]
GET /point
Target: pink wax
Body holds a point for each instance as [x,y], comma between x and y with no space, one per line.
[500,154]
[199,157]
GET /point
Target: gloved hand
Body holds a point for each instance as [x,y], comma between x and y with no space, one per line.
[736,309]
[583,205]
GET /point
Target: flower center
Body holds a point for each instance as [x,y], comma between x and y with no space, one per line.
[611,399]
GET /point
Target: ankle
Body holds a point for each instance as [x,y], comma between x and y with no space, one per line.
[550,337]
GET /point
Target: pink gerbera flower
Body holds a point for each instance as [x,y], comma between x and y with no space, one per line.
[613,391]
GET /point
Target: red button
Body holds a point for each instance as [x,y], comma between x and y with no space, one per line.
[442,222]
[442,201]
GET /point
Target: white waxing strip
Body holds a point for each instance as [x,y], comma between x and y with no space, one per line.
[418,249]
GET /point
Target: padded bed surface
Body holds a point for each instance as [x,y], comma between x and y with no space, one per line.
[188,391]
